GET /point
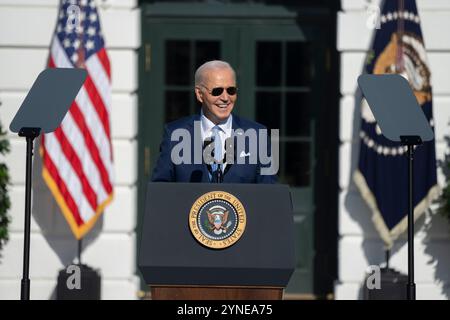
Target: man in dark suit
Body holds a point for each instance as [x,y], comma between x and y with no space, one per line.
[215,89]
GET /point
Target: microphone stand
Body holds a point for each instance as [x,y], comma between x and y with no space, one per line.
[219,174]
[222,170]
[216,175]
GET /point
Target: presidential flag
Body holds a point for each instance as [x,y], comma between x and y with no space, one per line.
[77,157]
[382,176]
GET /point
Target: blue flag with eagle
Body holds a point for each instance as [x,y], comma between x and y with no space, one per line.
[382,176]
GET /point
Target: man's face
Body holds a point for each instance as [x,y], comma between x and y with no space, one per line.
[216,108]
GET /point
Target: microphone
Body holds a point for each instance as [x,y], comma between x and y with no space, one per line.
[207,158]
[229,147]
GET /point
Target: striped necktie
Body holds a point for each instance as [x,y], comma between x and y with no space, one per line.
[218,152]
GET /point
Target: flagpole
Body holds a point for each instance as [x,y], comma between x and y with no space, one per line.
[388,256]
[80,247]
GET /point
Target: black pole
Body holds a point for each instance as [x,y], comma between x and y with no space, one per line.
[30,134]
[411,287]
[25,292]
[410,142]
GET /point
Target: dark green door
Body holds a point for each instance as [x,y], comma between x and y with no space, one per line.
[278,64]
[280,89]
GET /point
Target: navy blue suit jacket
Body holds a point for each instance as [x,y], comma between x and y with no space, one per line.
[167,171]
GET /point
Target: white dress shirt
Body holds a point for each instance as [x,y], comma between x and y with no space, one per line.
[225,129]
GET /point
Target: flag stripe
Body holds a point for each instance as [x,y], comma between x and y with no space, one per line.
[68,151]
[67,174]
[96,132]
[103,58]
[100,143]
[100,79]
[93,150]
[54,172]
[89,167]
[98,104]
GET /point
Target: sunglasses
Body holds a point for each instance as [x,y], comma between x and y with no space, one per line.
[219,90]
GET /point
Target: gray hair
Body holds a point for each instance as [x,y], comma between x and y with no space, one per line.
[214,64]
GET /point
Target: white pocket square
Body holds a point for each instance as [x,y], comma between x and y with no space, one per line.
[243,154]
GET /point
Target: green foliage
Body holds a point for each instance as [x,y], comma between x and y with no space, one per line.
[444,201]
[4,197]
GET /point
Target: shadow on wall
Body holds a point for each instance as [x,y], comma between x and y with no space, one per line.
[52,222]
[436,242]
[436,245]
[355,204]
[436,229]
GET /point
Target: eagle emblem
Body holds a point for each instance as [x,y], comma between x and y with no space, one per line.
[415,66]
[218,218]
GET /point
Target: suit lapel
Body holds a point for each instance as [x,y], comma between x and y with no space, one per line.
[202,167]
[236,124]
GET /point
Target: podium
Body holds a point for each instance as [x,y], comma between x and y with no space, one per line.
[217,241]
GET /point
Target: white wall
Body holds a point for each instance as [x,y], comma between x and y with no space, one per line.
[26,28]
[359,244]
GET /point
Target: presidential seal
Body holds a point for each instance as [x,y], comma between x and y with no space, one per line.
[217,219]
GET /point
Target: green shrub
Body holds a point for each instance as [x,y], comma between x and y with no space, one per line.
[4,197]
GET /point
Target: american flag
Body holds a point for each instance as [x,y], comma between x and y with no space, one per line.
[77,157]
